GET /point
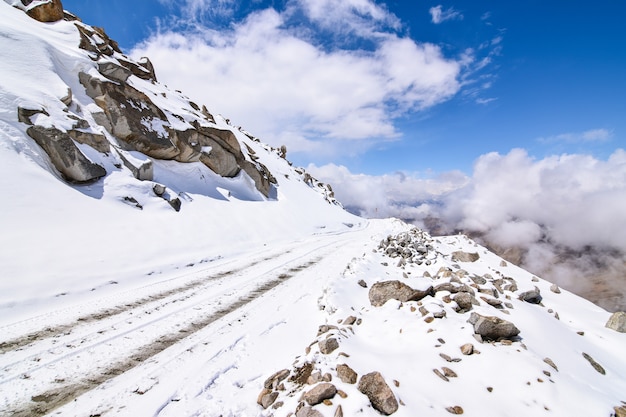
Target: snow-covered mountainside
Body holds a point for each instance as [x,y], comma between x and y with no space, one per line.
[158,261]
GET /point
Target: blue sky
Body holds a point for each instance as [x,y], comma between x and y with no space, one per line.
[412,86]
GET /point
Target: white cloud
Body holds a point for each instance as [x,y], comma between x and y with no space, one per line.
[271,76]
[439,15]
[566,214]
[593,135]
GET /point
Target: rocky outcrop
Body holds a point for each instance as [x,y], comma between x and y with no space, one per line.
[617,322]
[493,328]
[65,155]
[44,10]
[381,397]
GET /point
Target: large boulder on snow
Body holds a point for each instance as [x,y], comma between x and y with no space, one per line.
[493,328]
[65,155]
[381,292]
[381,397]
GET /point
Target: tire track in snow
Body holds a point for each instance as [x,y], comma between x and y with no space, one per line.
[44,402]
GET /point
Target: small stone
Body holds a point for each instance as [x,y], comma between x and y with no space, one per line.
[429,319]
[455,410]
[268,399]
[342,394]
[350,320]
[490,389]
[339,411]
[467,349]
[362,283]
[532,296]
[449,372]
[440,375]
[555,289]
[595,364]
[620,411]
[551,363]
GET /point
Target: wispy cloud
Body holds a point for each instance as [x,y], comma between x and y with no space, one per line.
[275,75]
[439,15]
[593,135]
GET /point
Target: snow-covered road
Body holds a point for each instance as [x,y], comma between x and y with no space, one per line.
[155,349]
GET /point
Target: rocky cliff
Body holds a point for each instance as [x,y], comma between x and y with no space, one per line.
[113,107]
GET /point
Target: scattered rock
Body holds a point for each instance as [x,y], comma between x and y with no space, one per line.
[617,322]
[267,397]
[551,363]
[308,412]
[362,283]
[620,411]
[273,381]
[449,372]
[302,374]
[328,345]
[493,328]
[319,393]
[455,410]
[381,292]
[467,349]
[339,411]
[555,289]
[595,364]
[440,375]
[381,397]
[346,374]
[460,256]
[349,321]
[464,302]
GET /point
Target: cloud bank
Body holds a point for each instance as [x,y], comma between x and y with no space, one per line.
[561,217]
[321,77]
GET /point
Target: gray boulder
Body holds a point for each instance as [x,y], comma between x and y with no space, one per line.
[381,397]
[617,322]
[532,296]
[381,292]
[493,328]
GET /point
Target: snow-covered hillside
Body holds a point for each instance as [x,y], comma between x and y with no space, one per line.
[190,279]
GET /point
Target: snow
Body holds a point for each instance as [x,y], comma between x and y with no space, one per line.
[114,304]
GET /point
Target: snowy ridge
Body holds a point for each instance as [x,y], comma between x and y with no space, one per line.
[163,288]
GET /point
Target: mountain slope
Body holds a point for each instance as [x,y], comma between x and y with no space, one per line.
[158,261]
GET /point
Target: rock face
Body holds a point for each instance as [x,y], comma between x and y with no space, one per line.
[493,328]
[65,156]
[617,322]
[381,292]
[373,385]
